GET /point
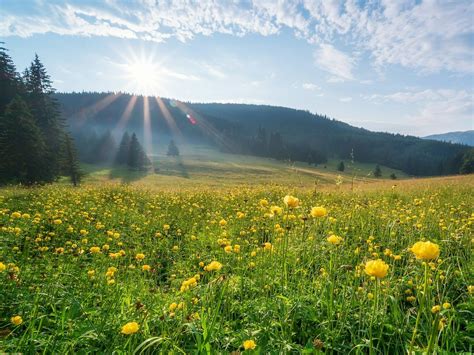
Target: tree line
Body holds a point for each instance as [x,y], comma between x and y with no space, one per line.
[34,144]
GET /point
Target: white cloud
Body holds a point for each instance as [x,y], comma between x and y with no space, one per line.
[345,99]
[310,86]
[334,61]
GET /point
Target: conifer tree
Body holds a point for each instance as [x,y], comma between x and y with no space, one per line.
[71,164]
[22,148]
[377,171]
[124,148]
[341,166]
[45,110]
[137,158]
[172,149]
[9,79]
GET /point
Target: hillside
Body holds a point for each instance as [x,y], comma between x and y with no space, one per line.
[466,137]
[275,132]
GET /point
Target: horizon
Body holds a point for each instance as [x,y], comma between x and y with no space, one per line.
[323,58]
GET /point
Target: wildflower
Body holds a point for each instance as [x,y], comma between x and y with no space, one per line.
[370,296]
[166,227]
[140,256]
[442,323]
[16,320]
[57,221]
[263,202]
[435,309]
[446,305]
[130,328]
[276,210]
[240,215]
[267,246]
[91,273]
[291,201]
[411,298]
[222,222]
[318,211]
[3,267]
[425,250]
[228,249]
[146,267]
[249,345]
[94,250]
[377,268]
[16,215]
[173,306]
[213,266]
[334,239]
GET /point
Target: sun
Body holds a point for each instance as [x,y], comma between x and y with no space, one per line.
[142,76]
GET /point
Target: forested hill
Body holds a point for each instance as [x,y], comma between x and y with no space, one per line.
[276,132]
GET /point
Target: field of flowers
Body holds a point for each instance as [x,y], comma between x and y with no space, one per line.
[266,270]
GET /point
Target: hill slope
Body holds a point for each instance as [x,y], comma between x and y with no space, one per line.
[277,132]
[466,137]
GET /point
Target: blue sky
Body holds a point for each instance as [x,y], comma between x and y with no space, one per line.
[399,66]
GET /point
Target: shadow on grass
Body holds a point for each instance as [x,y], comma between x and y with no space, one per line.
[127,175]
[177,168]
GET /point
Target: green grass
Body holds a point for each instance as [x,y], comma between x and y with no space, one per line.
[202,166]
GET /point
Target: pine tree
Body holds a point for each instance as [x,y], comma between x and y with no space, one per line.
[105,149]
[341,166]
[124,148]
[137,158]
[377,171]
[9,79]
[45,110]
[71,164]
[172,149]
[22,148]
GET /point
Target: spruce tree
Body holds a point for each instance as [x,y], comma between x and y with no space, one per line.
[124,148]
[45,110]
[9,79]
[22,148]
[377,171]
[341,166]
[137,158]
[172,149]
[71,164]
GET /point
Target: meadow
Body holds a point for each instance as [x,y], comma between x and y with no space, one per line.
[262,268]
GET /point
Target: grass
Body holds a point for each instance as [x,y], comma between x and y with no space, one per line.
[71,264]
[202,166]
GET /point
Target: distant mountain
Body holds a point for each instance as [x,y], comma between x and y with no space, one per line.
[261,130]
[466,137]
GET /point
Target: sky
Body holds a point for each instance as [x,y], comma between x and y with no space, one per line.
[386,65]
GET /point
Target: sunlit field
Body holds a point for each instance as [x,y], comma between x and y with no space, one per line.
[264,269]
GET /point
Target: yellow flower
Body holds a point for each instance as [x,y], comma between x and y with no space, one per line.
[435,309]
[276,210]
[377,268]
[263,202]
[94,250]
[291,201]
[3,267]
[146,267]
[173,306]
[222,222]
[213,266]
[16,215]
[446,305]
[166,227]
[140,256]
[228,249]
[425,250]
[470,289]
[240,215]
[318,211]
[268,246]
[91,273]
[249,345]
[57,221]
[130,328]
[334,239]
[16,320]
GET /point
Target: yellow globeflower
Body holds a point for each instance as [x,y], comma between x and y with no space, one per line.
[213,266]
[130,328]
[16,320]
[140,256]
[94,250]
[3,267]
[334,239]
[146,267]
[377,268]
[425,250]
[263,202]
[318,211]
[249,345]
[222,222]
[291,201]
